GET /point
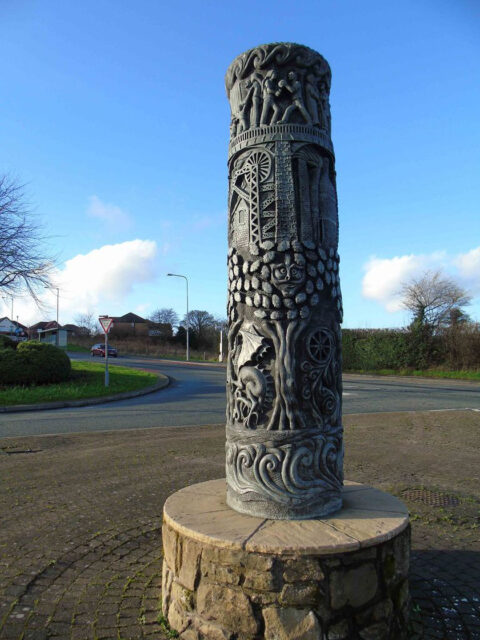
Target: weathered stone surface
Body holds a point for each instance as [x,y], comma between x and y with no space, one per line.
[291,624]
[284,364]
[354,587]
[259,580]
[339,631]
[302,569]
[229,606]
[378,631]
[220,555]
[299,594]
[259,562]
[401,594]
[221,574]
[378,612]
[401,547]
[178,617]
[189,562]
[167,580]
[213,632]
[169,538]
[182,596]
[355,558]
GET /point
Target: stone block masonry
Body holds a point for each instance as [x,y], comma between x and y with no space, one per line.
[234,577]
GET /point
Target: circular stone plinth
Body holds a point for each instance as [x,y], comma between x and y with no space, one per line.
[227,575]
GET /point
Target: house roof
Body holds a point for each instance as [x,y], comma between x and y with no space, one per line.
[130,317]
[44,325]
[14,322]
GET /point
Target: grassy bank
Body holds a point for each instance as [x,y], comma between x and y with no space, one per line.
[76,348]
[87,382]
[424,373]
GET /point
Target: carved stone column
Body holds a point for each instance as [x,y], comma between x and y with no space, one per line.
[284,451]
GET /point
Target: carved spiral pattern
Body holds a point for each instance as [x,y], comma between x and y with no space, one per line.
[290,473]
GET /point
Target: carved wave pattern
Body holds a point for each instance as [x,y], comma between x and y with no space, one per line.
[274,54]
[290,473]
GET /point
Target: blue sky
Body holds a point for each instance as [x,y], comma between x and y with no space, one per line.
[115,115]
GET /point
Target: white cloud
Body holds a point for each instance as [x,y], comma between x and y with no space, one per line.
[98,280]
[469,268]
[112,215]
[384,276]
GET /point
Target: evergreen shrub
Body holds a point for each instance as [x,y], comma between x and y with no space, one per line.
[5,342]
[33,363]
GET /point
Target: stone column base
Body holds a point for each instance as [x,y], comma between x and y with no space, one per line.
[229,576]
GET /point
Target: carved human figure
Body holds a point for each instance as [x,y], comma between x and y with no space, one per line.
[270,93]
[313,97]
[253,100]
[295,88]
[324,107]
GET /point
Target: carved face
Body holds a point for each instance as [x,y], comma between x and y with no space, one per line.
[288,276]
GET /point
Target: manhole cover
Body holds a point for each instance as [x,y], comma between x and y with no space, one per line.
[430,498]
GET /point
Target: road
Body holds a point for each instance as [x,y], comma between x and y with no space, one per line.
[196,396]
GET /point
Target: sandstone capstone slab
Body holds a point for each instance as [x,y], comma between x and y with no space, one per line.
[234,576]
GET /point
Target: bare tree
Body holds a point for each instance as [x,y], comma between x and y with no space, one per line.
[199,322]
[220,324]
[87,323]
[164,316]
[24,264]
[433,299]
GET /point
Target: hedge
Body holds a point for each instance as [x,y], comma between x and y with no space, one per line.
[33,363]
[6,342]
[374,349]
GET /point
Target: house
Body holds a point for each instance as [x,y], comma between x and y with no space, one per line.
[132,324]
[74,330]
[47,332]
[12,329]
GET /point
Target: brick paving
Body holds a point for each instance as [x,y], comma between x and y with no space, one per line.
[81,549]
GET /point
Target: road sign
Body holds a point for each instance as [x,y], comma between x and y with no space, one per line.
[106,324]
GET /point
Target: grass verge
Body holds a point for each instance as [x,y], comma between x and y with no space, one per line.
[87,381]
[425,373]
[76,347]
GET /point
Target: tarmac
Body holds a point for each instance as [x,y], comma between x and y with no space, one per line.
[81,547]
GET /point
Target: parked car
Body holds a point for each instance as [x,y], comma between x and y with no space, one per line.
[99,350]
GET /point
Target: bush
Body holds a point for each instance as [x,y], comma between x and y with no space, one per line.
[6,342]
[33,363]
[374,349]
[370,349]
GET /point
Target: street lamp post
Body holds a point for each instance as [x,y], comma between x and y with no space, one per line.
[178,275]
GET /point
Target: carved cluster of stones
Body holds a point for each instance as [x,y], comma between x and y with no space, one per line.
[216,593]
[284,433]
[253,282]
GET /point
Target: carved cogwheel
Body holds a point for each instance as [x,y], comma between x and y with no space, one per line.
[320,346]
[263,161]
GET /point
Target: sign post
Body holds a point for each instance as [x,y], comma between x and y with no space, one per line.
[106,324]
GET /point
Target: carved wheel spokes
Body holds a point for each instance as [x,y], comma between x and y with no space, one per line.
[259,159]
[320,346]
